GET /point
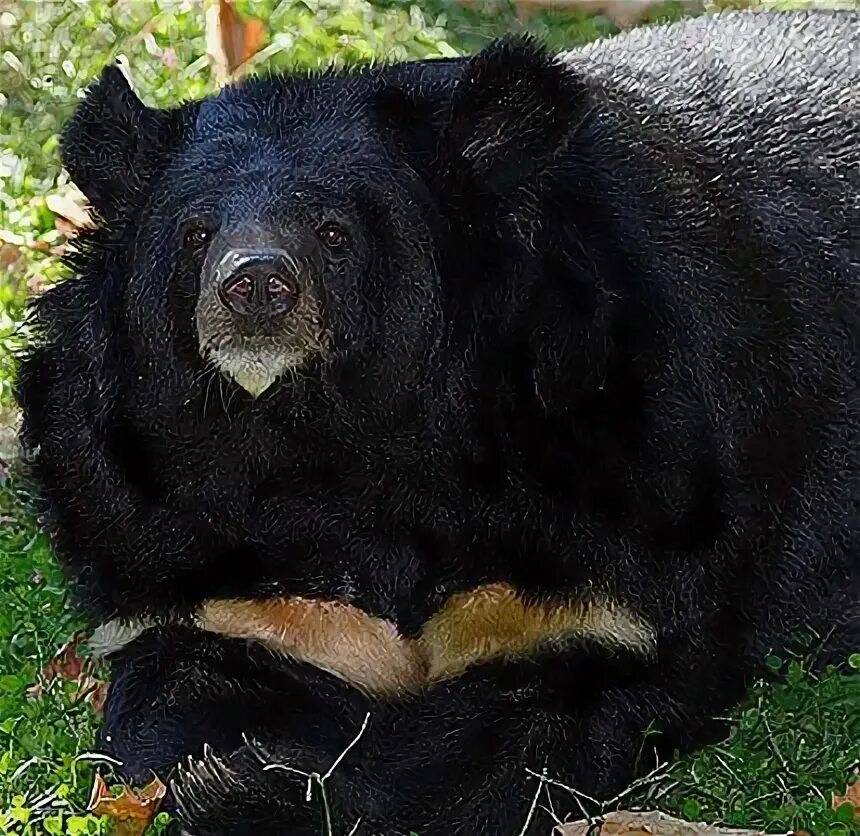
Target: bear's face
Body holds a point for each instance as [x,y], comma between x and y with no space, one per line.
[300,239]
[282,233]
[287,227]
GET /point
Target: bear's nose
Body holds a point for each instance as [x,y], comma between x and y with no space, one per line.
[258,282]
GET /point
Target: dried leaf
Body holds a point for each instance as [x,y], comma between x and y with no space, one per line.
[230,40]
[96,695]
[70,207]
[64,227]
[9,255]
[67,663]
[852,797]
[648,824]
[132,811]
[36,284]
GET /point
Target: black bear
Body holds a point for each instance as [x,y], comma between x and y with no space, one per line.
[527,381]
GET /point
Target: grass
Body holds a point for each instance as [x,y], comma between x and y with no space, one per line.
[793,744]
[42,787]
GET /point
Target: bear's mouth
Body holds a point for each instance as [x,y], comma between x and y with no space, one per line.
[256,367]
[256,361]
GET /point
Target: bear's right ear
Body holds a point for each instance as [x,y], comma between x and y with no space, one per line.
[113,143]
[512,110]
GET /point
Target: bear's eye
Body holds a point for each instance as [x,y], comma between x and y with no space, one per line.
[197,233]
[333,236]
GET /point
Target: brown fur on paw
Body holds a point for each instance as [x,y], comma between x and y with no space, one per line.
[365,651]
[494,622]
[482,625]
[489,623]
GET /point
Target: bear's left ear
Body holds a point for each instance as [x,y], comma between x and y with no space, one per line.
[113,143]
[513,108]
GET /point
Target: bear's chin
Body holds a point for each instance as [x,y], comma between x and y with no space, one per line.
[256,370]
[253,383]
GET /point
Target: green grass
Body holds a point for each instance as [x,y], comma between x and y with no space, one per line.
[794,743]
[42,787]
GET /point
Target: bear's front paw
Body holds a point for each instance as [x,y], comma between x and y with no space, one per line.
[237,795]
[200,786]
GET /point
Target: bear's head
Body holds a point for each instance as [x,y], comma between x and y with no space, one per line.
[288,227]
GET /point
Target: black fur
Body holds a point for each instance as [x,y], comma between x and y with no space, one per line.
[601,332]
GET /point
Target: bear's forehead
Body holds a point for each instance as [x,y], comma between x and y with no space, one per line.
[327,155]
[283,106]
[277,126]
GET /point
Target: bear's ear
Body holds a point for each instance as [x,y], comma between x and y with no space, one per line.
[113,143]
[512,110]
